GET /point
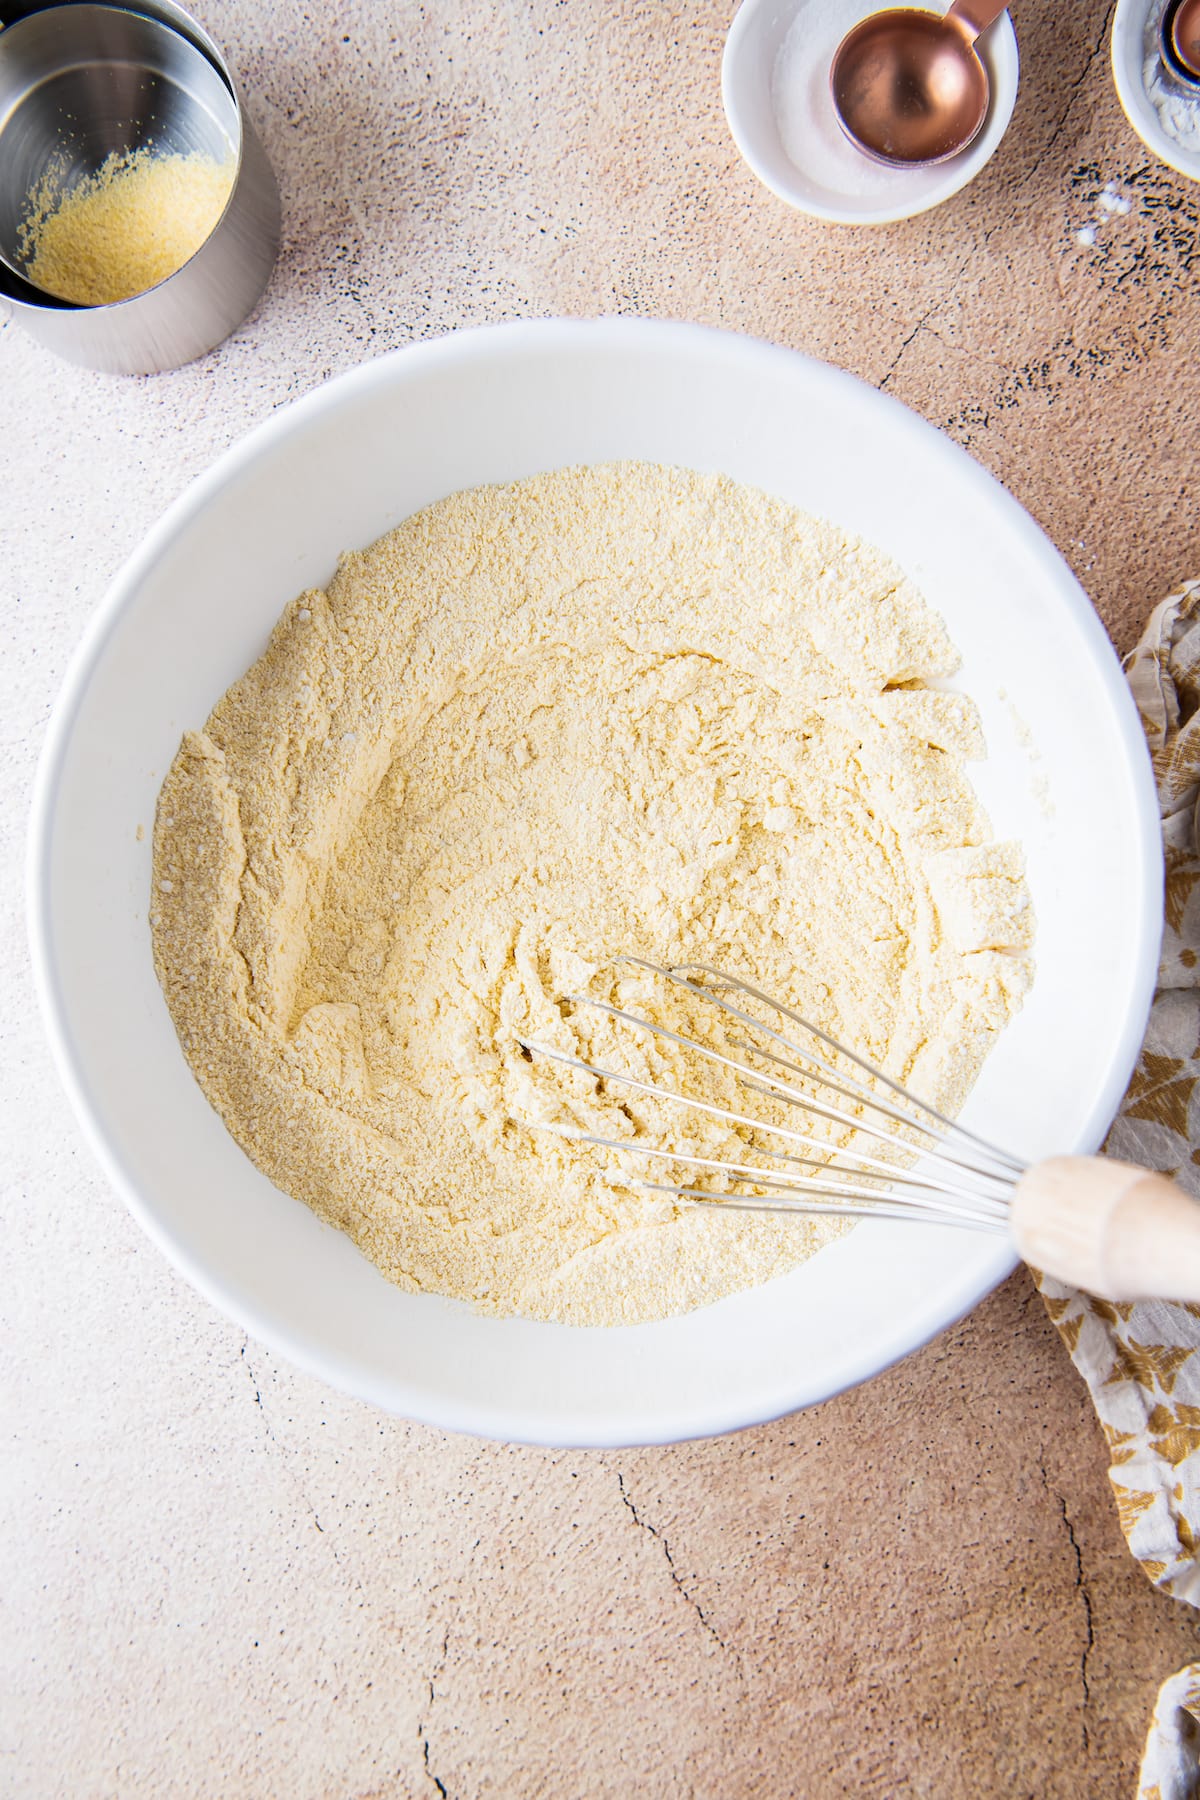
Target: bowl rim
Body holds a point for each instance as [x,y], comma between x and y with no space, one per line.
[341,1370]
[1001,54]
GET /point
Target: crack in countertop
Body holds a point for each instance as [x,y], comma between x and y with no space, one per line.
[644,1524]
[1081,1588]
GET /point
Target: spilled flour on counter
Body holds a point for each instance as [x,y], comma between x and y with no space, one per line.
[623,709]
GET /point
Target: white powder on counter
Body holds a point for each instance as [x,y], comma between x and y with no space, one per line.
[1110,207]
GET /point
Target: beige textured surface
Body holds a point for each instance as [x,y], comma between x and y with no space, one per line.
[217,1578]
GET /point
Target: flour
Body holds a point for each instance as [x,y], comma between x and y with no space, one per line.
[1177,105]
[617,710]
[1110,206]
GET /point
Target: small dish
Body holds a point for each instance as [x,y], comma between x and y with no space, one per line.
[1135,29]
[799,152]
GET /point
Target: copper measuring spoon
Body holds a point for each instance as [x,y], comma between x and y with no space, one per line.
[1181,38]
[908,86]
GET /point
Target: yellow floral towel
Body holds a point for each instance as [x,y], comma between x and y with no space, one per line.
[1140,1361]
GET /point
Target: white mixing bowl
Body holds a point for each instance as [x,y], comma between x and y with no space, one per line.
[1067,774]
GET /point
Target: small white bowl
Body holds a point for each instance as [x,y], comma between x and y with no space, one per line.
[828,178]
[1128,65]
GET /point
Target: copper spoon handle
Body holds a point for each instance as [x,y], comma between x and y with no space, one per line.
[976,15]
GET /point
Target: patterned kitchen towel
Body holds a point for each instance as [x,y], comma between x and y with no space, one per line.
[1140,1360]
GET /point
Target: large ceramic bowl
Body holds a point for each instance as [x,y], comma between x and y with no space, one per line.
[1067,774]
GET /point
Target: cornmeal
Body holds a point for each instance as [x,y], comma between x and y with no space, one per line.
[126,227]
[624,710]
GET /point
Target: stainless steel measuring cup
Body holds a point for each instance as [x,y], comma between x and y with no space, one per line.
[80,82]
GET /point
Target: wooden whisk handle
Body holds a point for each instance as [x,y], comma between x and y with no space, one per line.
[1108,1228]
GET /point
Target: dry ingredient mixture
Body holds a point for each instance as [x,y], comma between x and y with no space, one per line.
[125,228]
[617,709]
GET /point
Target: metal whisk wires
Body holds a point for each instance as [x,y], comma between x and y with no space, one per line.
[960,1178]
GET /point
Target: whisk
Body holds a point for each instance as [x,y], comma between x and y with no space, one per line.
[1115,1230]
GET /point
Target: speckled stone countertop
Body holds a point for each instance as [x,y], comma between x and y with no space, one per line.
[220,1579]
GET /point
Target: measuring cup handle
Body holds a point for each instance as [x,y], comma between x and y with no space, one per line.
[976,15]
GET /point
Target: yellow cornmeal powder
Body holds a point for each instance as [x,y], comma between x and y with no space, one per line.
[125,228]
[623,709]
